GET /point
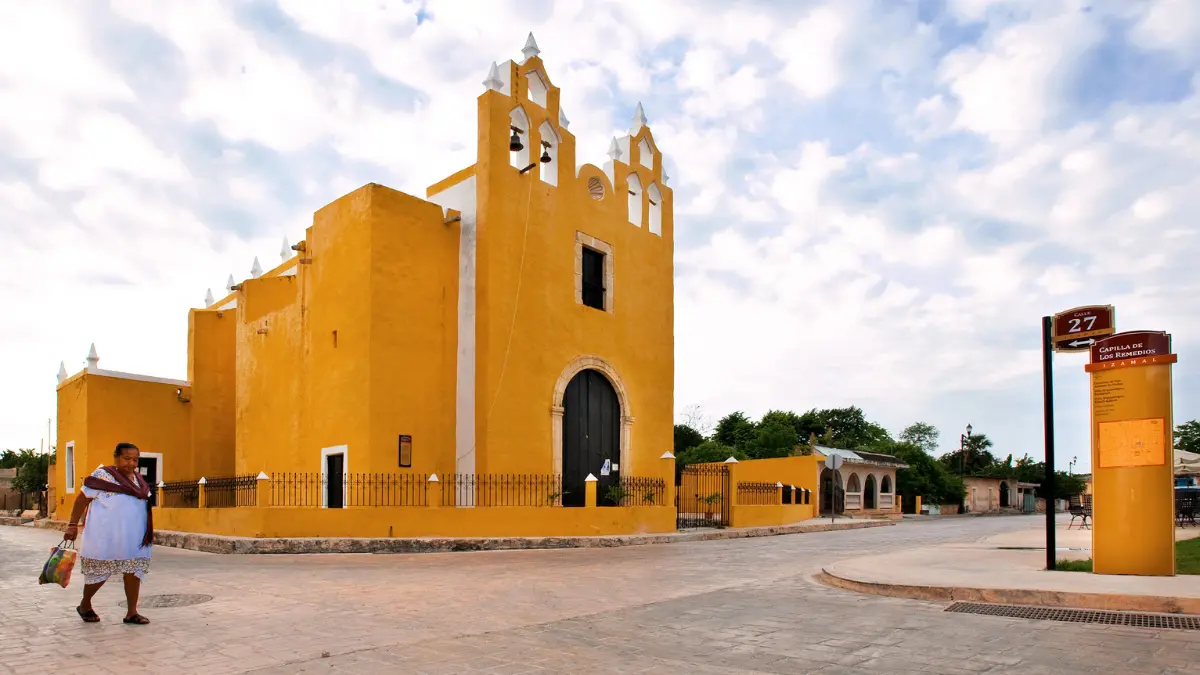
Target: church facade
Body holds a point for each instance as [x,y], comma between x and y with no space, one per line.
[517,319]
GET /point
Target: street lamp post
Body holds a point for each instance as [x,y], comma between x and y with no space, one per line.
[1071,464]
[962,450]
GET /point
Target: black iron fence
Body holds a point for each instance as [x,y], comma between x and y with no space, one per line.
[702,496]
[179,495]
[231,492]
[502,489]
[758,494]
[350,489]
[635,491]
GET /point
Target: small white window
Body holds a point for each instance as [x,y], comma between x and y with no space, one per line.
[635,199]
[518,123]
[549,141]
[69,460]
[537,88]
[655,198]
[645,154]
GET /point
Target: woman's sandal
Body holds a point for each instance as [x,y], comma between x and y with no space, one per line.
[136,619]
[89,616]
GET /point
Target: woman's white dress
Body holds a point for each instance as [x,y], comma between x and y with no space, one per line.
[111,541]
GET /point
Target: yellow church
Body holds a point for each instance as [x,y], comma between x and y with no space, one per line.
[505,343]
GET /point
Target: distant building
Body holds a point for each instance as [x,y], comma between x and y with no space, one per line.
[864,485]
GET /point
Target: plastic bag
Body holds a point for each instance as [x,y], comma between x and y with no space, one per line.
[57,569]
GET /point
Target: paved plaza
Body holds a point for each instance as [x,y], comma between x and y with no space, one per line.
[735,606]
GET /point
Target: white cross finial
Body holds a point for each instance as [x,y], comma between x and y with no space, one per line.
[256,269]
[209,299]
[639,118]
[614,150]
[62,372]
[530,49]
[229,284]
[285,253]
[493,80]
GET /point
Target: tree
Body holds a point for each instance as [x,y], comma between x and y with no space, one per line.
[31,467]
[973,459]
[845,428]
[923,435]
[734,430]
[707,452]
[695,417]
[686,438]
[772,438]
[789,418]
[925,476]
[1187,436]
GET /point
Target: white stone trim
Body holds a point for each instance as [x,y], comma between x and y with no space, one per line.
[140,378]
[599,364]
[344,451]
[159,457]
[462,198]
[69,466]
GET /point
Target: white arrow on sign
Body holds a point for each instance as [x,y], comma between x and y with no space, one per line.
[1081,343]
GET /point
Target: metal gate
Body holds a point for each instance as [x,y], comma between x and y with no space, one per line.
[702,496]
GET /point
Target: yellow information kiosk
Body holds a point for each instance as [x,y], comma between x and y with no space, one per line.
[1133,506]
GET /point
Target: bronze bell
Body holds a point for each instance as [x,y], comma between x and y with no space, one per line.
[514,143]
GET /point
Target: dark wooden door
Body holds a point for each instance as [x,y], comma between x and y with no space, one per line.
[334,477]
[591,435]
[148,471]
[833,496]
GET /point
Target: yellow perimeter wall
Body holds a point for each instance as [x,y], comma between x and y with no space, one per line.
[800,471]
[420,521]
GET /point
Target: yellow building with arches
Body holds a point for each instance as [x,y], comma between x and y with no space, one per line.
[517,320]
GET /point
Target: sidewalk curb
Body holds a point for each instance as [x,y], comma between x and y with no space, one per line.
[211,543]
[1017,596]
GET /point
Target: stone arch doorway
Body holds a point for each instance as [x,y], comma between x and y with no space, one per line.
[869,501]
[591,436]
[558,410]
[833,496]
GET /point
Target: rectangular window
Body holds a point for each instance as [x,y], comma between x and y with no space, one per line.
[593,278]
[69,474]
[406,451]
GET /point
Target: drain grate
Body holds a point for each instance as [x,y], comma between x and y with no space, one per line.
[1133,619]
[171,600]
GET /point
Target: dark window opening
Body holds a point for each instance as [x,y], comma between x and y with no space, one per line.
[406,451]
[593,278]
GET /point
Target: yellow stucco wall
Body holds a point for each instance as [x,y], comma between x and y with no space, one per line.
[212,374]
[97,412]
[420,521]
[770,516]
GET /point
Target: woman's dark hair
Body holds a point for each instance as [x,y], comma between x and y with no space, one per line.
[122,447]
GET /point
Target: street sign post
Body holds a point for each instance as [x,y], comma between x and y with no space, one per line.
[1074,330]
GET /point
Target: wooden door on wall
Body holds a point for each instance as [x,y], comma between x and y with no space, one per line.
[591,435]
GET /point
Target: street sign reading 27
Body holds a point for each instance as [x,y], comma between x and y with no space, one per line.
[1076,329]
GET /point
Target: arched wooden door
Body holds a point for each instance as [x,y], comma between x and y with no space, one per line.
[833,495]
[591,435]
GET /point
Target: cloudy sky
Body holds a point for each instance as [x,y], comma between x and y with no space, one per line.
[876,201]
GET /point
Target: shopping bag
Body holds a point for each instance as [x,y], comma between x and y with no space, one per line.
[57,569]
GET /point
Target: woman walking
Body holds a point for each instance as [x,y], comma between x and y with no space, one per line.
[118,531]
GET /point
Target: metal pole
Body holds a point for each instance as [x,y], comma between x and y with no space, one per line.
[1048,394]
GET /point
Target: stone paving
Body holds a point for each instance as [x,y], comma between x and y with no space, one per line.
[736,606]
